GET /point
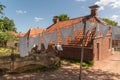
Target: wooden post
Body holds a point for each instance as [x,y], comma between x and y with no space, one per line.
[82,50]
[12,59]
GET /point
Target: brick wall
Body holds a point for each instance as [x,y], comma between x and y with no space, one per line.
[104,48]
[90,54]
[75,53]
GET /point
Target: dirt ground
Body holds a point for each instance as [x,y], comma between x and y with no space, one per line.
[108,69]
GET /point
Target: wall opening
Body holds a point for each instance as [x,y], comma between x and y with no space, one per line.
[98,51]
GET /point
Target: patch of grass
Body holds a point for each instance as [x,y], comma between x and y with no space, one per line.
[84,64]
[87,64]
[6,52]
[71,60]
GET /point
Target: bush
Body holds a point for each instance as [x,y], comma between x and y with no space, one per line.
[6,52]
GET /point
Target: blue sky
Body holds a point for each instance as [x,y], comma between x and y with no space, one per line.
[39,13]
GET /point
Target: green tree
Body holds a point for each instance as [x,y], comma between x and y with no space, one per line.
[1,26]
[61,17]
[7,24]
[111,22]
[1,8]
[5,37]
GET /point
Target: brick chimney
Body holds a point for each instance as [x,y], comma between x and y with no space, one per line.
[56,19]
[94,11]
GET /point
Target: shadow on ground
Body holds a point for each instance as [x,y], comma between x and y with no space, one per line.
[66,72]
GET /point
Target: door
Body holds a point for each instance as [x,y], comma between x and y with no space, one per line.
[98,51]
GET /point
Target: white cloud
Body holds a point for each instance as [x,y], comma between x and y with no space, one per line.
[116,4]
[37,19]
[114,17]
[21,12]
[79,0]
[101,8]
[111,3]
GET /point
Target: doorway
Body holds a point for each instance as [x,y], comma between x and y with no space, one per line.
[98,51]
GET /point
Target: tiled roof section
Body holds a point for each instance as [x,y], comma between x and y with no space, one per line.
[21,34]
[63,24]
[67,23]
[34,32]
[101,21]
[78,37]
